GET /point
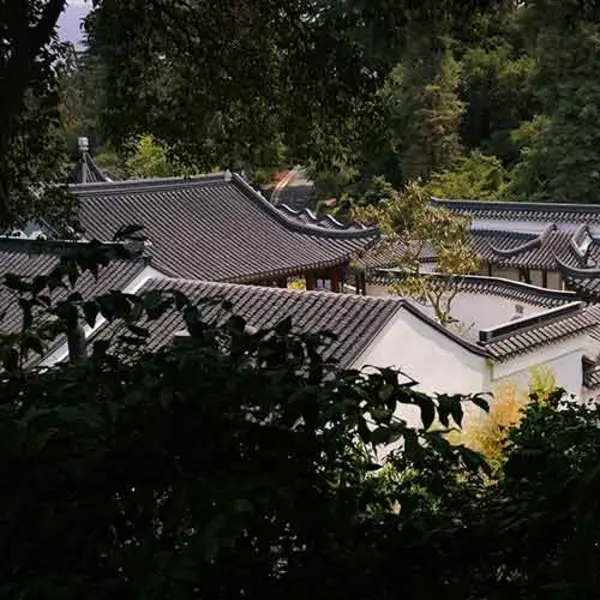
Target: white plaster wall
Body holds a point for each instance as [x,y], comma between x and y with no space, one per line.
[480,311]
[505,272]
[555,281]
[564,360]
[436,362]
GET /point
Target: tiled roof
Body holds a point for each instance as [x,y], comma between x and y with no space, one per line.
[496,286]
[354,320]
[591,378]
[17,257]
[526,250]
[551,326]
[587,288]
[524,211]
[87,171]
[386,256]
[216,228]
[307,217]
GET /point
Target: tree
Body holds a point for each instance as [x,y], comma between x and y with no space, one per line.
[150,158]
[561,164]
[410,225]
[31,151]
[477,176]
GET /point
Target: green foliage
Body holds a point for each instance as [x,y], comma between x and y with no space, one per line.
[476,176]
[410,224]
[231,463]
[32,158]
[150,158]
[237,463]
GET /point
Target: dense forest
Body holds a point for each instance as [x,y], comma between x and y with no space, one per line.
[487,100]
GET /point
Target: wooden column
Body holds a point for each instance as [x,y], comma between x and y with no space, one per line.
[489,269]
[358,284]
[544,278]
[311,281]
[336,280]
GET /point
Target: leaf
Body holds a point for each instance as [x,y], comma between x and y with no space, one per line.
[474,461]
[236,324]
[17,283]
[34,343]
[381,435]
[427,408]
[90,312]
[386,394]
[181,300]
[481,402]
[10,359]
[68,314]
[74,297]
[127,231]
[27,310]
[165,397]
[101,348]
[284,327]
[141,332]
[38,284]
[456,410]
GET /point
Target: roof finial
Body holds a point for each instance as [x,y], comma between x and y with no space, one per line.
[83,144]
[227,175]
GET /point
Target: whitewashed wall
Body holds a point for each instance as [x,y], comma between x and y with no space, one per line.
[437,362]
[478,310]
[441,365]
[563,359]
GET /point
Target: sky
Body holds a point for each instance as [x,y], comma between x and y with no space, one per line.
[69,24]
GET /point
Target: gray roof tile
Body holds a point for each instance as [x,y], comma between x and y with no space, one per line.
[214,229]
[354,320]
[17,257]
[521,336]
[524,211]
[496,286]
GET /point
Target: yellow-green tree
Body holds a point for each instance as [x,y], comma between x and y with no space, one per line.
[411,225]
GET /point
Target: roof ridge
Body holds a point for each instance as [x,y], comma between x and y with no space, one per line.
[272,210]
[56,246]
[277,290]
[507,204]
[503,331]
[507,283]
[536,242]
[141,185]
[341,225]
[399,302]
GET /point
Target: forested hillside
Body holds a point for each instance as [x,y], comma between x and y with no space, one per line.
[494,99]
[479,98]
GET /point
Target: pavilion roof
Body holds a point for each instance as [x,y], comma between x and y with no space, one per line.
[216,228]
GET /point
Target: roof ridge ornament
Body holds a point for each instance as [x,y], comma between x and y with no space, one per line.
[227,175]
[536,242]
